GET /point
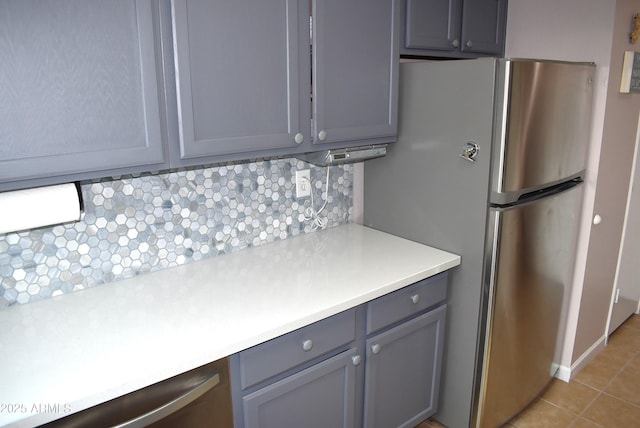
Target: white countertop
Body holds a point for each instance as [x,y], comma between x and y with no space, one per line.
[77,350]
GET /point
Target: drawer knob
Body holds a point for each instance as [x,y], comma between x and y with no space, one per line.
[375,348]
[307,345]
[415,298]
[356,360]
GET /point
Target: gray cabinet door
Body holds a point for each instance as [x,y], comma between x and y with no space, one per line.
[355,69]
[402,374]
[454,28]
[242,73]
[79,88]
[321,396]
[433,24]
[483,26]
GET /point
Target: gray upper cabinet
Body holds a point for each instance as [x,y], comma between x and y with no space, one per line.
[242,75]
[79,89]
[483,26]
[95,88]
[454,28]
[432,24]
[355,69]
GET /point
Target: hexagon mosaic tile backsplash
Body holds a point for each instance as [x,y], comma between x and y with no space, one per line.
[137,224]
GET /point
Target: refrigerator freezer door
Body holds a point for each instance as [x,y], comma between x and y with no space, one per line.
[542,124]
[528,281]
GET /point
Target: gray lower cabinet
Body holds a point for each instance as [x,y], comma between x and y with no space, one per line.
[403,372]
[454,28]
[377,365]
[324,395]
[307,378]
[79,90]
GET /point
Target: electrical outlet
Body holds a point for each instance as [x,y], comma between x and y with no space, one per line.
[303,183]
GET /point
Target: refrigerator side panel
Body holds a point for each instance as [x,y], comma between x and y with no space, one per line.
[546,112]
[529,281]
[424,191]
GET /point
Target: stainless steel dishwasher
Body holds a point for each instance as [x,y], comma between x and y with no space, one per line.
[198,398]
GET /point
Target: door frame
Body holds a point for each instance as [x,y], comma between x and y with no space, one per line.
[632,196]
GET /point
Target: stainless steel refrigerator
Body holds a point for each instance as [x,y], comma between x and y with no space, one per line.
[488,164]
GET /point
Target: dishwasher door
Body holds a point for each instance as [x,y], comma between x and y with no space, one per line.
[198,398]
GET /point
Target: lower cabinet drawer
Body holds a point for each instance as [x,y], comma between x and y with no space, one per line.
[271,358]
[406,302]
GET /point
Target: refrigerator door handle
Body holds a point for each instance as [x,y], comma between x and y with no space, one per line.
[509,199]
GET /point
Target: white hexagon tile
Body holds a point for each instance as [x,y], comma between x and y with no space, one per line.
[138,224]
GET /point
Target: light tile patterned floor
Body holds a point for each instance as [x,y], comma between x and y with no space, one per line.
[606,393]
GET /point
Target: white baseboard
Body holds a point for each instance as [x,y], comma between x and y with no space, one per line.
[563,373]
[566,373]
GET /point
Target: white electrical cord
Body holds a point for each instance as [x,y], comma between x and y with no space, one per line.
[310,213]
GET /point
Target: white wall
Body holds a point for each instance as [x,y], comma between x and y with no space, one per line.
[572,30]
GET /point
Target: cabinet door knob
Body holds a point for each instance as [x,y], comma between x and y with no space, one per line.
[375,348]
[469,44]
[299,138]
[322,135]
[415,298]
[597,219]
[307,345]
[356,360]
[455,43]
